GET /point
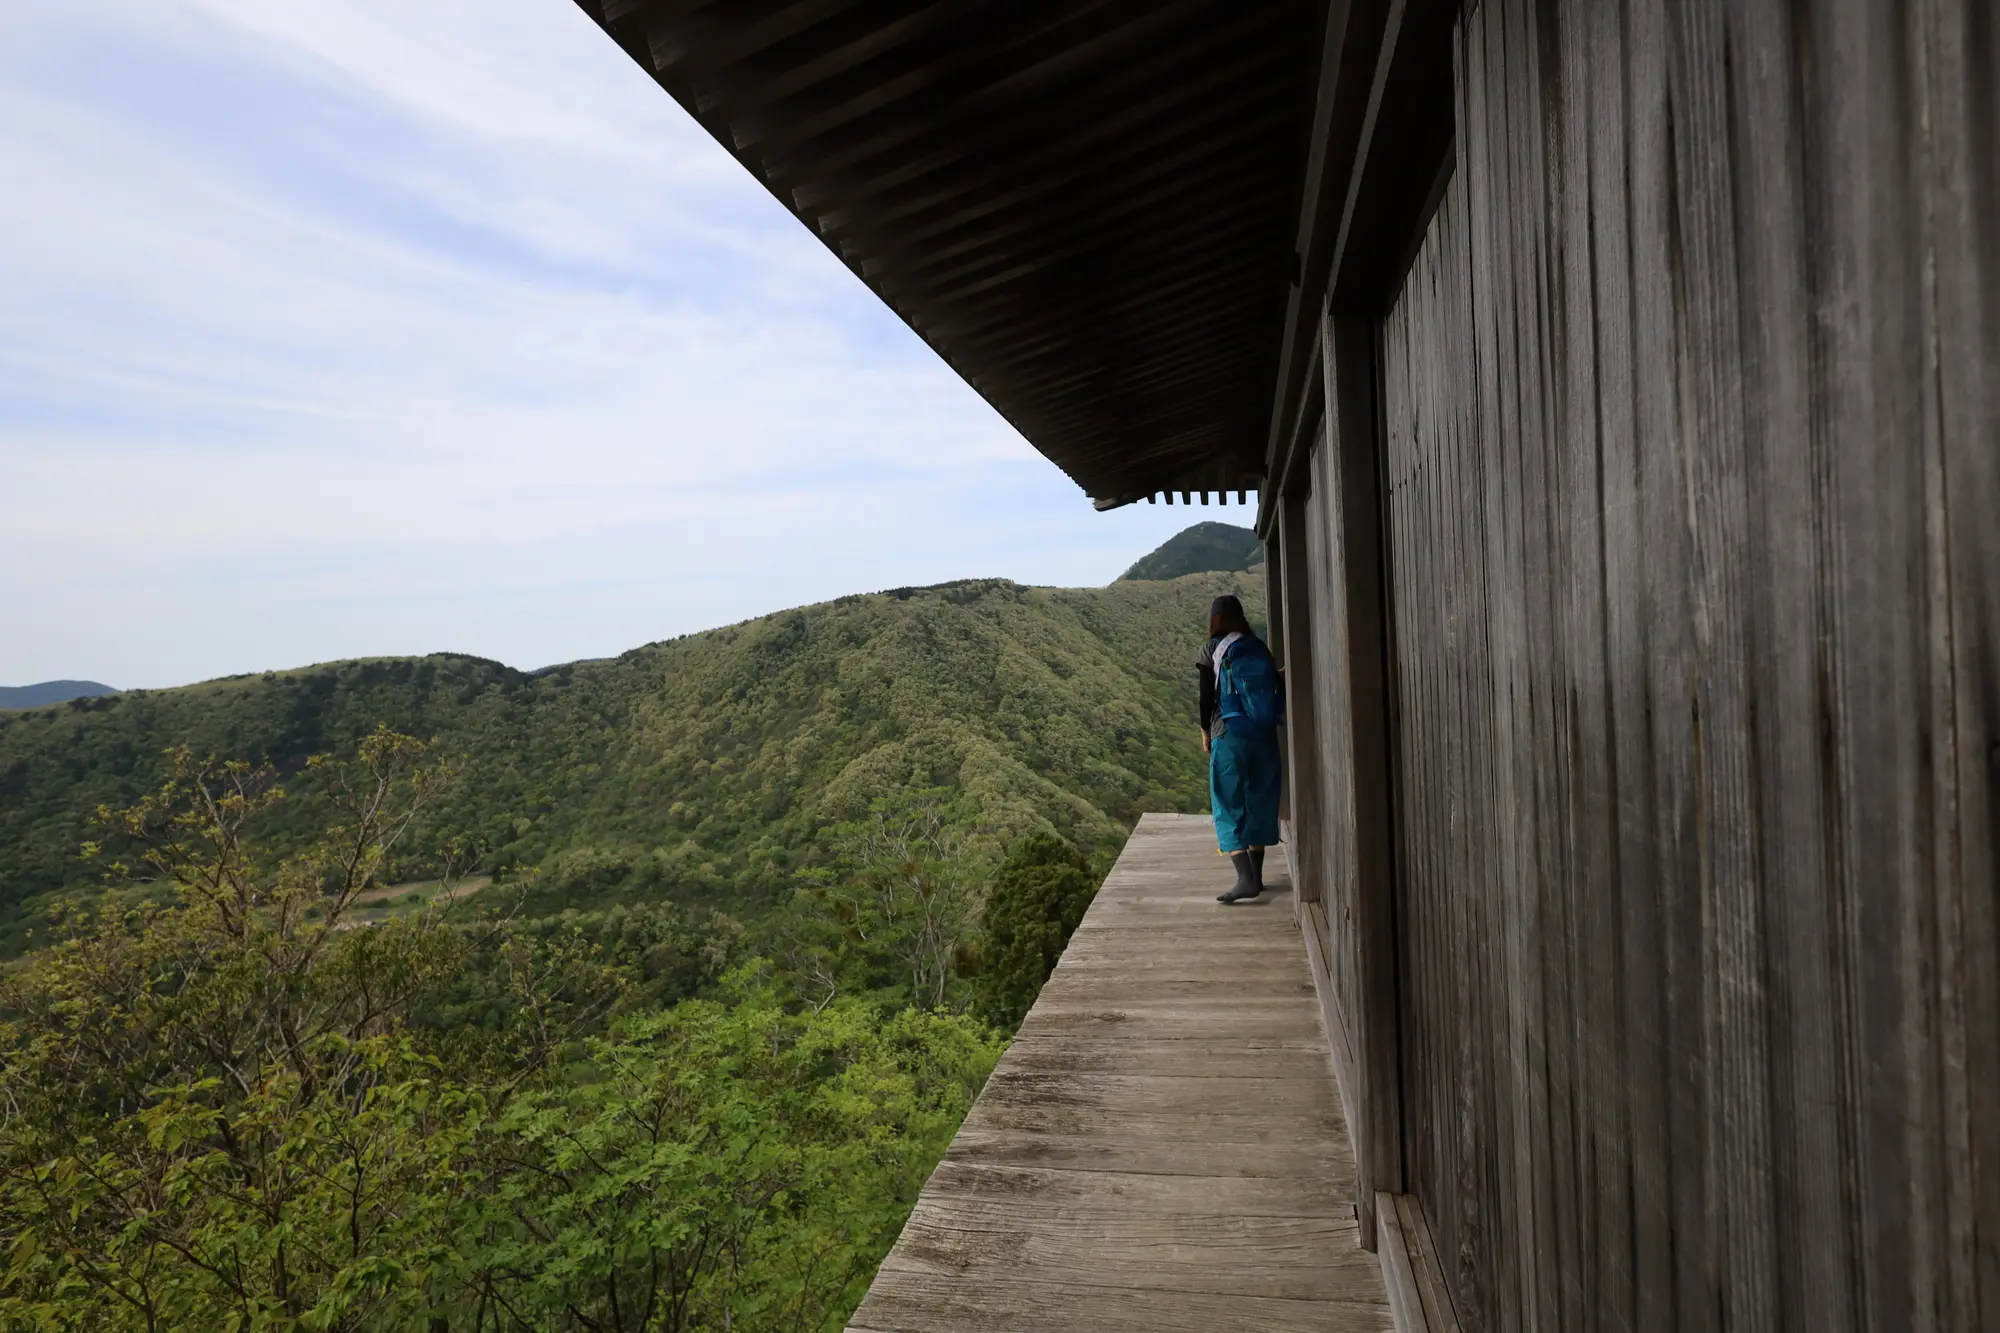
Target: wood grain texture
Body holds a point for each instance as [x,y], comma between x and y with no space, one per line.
[1162,1148]
[1346,754]
[1306,804]
[1689,432]
[1410,1268]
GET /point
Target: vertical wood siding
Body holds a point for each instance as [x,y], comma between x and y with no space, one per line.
[1328,845]
[1330,530]
[1690,452]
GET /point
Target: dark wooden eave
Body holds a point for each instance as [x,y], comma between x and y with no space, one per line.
[1087,208]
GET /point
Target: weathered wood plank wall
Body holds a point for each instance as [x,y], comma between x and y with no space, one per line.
[1334,651]
[1689,438]
[1448,941]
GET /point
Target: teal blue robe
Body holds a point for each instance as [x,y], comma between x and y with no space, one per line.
[1245,776]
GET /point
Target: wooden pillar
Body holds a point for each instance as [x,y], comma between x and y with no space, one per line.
[1366,636]
[1303,777]
[1276,636]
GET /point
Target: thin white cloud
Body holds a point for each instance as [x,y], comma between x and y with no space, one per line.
[353,327]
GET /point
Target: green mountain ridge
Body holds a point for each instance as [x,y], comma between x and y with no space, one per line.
[47,692]
[710,767]
[755,949]
[1202,549]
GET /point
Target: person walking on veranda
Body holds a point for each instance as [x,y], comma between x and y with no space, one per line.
[1242,707]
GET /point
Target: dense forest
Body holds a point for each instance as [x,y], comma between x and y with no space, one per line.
[636,994]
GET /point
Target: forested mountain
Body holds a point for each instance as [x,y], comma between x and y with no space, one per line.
[757,910]
[1202,549]
[706,769]
[50,692]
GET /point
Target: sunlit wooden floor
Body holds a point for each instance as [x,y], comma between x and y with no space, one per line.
[1162,1148]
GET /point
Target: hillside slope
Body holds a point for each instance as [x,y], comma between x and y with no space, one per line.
[711,766]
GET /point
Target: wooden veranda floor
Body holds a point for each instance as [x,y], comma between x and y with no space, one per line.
[1162,1147]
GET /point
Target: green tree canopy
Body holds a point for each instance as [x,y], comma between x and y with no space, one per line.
[243,1107]
[1038,896]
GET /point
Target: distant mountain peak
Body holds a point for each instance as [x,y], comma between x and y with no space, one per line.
[1205,548]
[50,692]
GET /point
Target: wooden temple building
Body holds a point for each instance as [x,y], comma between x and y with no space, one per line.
[1618,382]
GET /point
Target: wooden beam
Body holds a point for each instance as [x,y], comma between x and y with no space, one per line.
[1395,170]
[1363,569]
[1102,200]
[1378,88]
[980,134]
[1310,426]
[1084,209]
[617,11]
[845,32]
[1368,195]
[992,50]
[1294,593]
[1353,33]
[1123,116]
[1411,1269]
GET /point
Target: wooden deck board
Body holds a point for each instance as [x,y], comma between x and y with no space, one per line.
[1162,1147]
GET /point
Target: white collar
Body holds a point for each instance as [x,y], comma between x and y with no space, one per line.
[1223,647]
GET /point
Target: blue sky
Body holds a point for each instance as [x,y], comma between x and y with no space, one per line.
[336,328]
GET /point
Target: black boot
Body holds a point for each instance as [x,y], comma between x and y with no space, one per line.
[1246,880]
[1257,867]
